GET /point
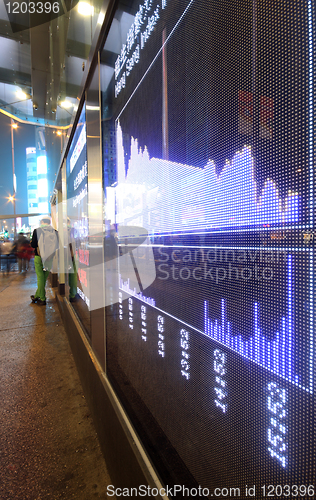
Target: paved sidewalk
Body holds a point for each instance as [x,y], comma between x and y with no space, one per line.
[49,447]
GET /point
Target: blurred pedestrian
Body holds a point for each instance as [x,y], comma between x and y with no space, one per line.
[29,254]
[21,251]
[6,251]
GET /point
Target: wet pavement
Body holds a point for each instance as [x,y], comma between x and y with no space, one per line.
[48,444]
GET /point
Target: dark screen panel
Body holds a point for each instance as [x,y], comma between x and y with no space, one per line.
[211,106]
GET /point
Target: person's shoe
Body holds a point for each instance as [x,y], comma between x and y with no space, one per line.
[33,299]
[41,302]
[73,299]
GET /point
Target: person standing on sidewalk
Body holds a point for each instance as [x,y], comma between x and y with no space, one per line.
[45,243]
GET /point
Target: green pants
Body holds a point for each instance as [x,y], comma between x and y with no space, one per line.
[73,281]
[41,278]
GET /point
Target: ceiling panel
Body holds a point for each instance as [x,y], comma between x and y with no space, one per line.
[48,59]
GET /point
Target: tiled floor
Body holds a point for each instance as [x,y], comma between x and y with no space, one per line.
[49,448]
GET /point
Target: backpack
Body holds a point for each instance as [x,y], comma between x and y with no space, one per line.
[47,245]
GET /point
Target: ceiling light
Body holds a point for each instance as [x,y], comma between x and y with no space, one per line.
[66,104]
[22,95]
[92,108]
[101,18]
[58,132]
[85,9]
[14,125]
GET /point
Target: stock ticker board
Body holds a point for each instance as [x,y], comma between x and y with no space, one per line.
[214,129]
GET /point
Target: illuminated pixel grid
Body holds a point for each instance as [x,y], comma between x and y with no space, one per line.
[275,356]
[211,198]
[198,198]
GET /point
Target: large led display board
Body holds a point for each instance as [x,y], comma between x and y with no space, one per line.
[78,228]
[211,107]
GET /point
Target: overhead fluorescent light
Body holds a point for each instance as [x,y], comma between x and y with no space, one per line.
[22,95]
[66,104]
[101,18]
[92,108]
[85,9]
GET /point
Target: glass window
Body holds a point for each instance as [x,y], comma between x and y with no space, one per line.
[77,212]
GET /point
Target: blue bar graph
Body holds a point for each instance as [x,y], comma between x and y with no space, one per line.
[274,355]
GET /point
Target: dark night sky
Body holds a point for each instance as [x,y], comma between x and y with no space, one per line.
[24,137]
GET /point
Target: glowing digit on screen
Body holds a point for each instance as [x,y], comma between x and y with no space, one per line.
[219,365]
[278,429]
[184,344]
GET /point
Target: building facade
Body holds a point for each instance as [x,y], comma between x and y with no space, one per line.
[187,190]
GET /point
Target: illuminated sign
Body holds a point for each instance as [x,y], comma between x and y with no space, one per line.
[78,148]
[82,174]
[77,212]
[79,197]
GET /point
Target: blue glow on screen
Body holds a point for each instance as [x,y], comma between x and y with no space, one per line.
[311,108]
[197,198]
[247,193]
[276,355]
